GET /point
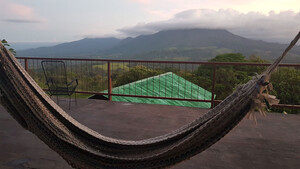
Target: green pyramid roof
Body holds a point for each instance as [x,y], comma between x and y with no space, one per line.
[164,85]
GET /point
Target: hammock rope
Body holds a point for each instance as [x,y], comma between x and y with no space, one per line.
[84,148]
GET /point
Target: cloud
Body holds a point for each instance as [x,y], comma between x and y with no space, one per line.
[274,27]
[17,13]
[142,1]
[168,7]
[21,21]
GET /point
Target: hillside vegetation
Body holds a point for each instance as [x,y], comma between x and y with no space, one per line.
[188,44]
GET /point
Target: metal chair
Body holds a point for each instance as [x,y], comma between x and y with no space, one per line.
[57,81]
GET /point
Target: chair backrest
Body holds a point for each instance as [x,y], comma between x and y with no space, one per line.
[55,73]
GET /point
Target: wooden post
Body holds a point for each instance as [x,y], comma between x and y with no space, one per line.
[213,87]
[109,81]
[26,64]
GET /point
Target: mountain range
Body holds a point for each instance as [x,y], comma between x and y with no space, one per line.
[186,44]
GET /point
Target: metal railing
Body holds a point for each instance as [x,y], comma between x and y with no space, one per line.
[100,76]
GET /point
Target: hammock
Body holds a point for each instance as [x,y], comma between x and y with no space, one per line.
[84,148]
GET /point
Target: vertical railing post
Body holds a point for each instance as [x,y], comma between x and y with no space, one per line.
[109,81]
[213,86]
[26,64]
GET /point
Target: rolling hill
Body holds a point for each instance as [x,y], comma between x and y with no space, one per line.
[188,44]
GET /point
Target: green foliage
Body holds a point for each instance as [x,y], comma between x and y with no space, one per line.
[285,81]
[228,77]
[227,80]
[113,66]
[5,43]
[92,83]
[229,57]
[38,77]
[286,87]
[134,74]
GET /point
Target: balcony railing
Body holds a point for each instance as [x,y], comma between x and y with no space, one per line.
[100,76]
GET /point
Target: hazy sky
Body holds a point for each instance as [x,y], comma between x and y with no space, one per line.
[68,20]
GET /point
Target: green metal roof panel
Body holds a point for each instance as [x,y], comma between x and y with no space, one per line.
[164,85]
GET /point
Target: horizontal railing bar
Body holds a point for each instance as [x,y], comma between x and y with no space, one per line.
[292,106]
[156,61]
[182,99]
[141,96]
[158,97]
[87,92]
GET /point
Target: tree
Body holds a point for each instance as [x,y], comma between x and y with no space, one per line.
[228,76]
[286,87]
[5,43]
[229,57]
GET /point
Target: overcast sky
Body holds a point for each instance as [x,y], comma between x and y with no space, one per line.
[68,20]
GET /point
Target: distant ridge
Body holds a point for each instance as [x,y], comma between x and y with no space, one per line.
[187,44]
[28,45]
[84,47]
